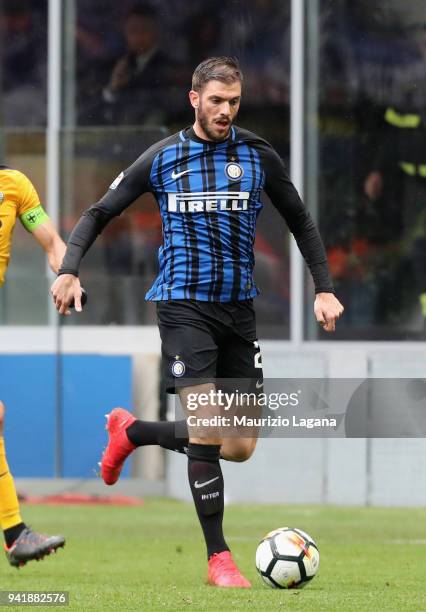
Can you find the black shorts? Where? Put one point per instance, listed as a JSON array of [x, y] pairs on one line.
[[207, 341]]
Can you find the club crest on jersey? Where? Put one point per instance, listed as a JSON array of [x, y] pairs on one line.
[[234, 171], [208, 201], [178, 368]]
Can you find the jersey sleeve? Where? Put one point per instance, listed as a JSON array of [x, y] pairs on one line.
[[27, 195], [125, 189], [31, 213], [286, 200]]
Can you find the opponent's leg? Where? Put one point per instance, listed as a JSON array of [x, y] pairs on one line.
[[21, 544], [10, 518]]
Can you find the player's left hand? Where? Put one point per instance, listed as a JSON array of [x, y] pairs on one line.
[[327, 309]]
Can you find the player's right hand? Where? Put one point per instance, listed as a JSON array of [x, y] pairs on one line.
[[66, 290]]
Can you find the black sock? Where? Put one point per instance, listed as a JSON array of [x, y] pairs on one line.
[[12, 533], [206, 482], [172, 435]]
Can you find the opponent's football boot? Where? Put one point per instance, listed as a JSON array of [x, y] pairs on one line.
[[31, 545]]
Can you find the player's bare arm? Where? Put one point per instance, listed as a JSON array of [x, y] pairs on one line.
[[49, 239]]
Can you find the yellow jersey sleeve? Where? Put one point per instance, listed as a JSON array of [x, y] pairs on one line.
[[30, 211], [27, 196], [18, 198]]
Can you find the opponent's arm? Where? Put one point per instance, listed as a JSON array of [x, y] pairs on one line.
[[49, 239], [286, 200], [36, 222]]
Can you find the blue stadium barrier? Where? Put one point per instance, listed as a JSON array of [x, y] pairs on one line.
[[87, 386]]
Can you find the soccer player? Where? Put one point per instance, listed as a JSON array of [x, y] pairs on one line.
[[18, 198], [207, 180]]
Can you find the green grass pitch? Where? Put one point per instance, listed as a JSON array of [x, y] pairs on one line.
[[152, 558]]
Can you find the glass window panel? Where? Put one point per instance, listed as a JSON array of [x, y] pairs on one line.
[[122, 263], [24, 296], [23, 70], [23, 61], [366, 162]]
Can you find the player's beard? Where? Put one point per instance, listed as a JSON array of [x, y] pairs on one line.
[[206, 127]]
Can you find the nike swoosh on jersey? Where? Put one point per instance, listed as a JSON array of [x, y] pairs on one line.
[[176, 175], [198, 485]]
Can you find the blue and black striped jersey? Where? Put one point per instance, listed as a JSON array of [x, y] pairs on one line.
[[209, 199], [208, 194]]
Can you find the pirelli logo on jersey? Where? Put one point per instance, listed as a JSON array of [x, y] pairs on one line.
[[208, 201]]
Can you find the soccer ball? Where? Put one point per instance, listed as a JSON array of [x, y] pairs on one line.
[[287, 558]]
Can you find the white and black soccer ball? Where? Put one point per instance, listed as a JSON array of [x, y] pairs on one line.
[[287, 558]]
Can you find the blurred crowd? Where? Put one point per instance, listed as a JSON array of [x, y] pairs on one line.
[[133, 62], [140, 72], [372, 165]]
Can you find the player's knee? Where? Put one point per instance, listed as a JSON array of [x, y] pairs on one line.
[[242, 451], [206, 441], [241, 455]]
